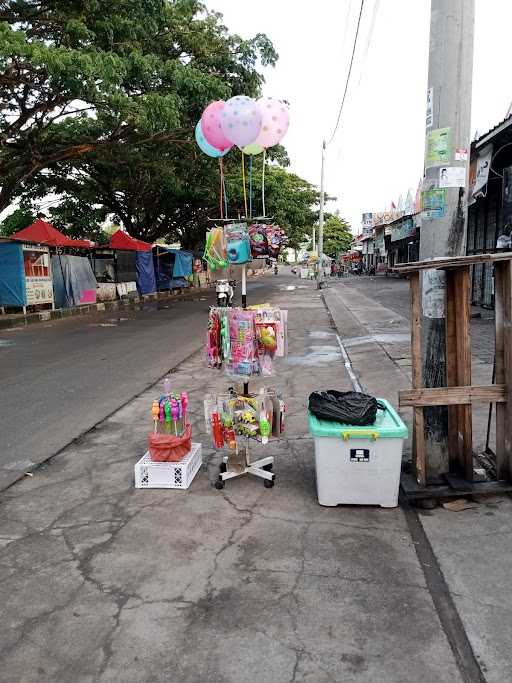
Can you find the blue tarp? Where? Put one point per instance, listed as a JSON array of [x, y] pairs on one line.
[[12, 275], [146, 282], [73, 281], [171, 267]]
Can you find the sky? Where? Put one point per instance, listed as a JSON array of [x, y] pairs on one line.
[[377, 153]]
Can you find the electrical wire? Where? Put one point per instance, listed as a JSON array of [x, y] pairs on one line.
[[349, 73]]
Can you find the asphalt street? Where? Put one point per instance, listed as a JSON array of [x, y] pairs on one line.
[[60, 379]]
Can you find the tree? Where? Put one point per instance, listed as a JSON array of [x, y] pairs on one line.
[[18, 220], [85, 76], [337, 235]]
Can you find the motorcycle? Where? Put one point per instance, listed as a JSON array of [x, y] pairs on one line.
[[225, 291]]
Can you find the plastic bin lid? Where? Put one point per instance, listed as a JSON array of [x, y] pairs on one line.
[[388, 425]]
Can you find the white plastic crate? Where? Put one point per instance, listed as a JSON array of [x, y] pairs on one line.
[[168, 475]]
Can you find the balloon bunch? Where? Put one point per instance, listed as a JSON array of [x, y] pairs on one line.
[[252, 125]]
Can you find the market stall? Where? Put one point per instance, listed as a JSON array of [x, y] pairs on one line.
[[73, 278], [172, 267], [144, 268], [25, 275]]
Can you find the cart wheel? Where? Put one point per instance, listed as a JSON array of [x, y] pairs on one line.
[[219, 484], [223, 467], [268, 483], [268, 468]]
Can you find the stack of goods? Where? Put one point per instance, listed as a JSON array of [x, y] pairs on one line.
[[231, 417], [237, 244], [246, 341], [266, 240], [171, 438]]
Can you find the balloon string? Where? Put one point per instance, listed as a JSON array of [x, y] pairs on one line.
[[221, 188], [263, 183], [250, 186], [243, 181], [225, 195]]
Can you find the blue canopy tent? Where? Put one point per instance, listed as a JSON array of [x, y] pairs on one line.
[[172, 266]]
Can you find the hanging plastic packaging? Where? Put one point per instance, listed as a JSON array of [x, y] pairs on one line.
[[215, 250], [238, 246]]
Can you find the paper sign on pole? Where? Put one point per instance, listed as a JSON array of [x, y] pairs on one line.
[[430, 108], [452, 176], [438, 147]]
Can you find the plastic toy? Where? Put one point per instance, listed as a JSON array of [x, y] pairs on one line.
[[155, 412], [175, 413]]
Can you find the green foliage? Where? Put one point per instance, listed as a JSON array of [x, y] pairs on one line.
[[17, 220], [337, 235], [78, 76]]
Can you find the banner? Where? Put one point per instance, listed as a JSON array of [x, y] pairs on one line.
[[483, 166]]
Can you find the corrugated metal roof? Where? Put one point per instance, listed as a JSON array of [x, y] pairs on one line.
[[498, 128]]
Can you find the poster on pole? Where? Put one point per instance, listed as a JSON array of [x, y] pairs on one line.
[[452, 176], [439, 147], [433, 204], [433, 294]]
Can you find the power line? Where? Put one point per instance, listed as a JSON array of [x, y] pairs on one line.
[[349, 73]]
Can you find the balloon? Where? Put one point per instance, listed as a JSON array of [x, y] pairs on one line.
[[275, 119], [205, 146], [253, 149], [241, 120], [211, 126]]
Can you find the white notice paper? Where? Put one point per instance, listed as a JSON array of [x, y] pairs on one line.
[[452, 176]]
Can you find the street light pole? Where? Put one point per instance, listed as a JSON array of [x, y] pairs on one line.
[[321, 221], [444, 200]]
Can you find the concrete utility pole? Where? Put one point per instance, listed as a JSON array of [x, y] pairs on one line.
[[320, 272], [444, 198]]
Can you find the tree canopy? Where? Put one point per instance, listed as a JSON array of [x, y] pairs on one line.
[[337, 235]]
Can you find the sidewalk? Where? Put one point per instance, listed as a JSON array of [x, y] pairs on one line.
[[102, 582], [472, 547]]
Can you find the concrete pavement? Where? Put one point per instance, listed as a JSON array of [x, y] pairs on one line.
[[472, 547], [102, 582], [61, 378]]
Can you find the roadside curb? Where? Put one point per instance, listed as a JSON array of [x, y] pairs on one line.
[[136, 303]]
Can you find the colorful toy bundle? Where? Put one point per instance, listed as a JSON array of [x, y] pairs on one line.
[[172, 434], [215, 253], [266, 240], [238, 247], [231, 417], [246, 341]]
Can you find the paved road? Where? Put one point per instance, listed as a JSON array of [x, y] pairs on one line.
[[59, 379], [393, 293]]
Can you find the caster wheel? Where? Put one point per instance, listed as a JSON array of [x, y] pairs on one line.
[[268, 468], [223, 467], [268, 484], [219, 484]]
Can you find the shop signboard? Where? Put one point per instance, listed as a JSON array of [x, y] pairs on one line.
[[38, 280], [379, 241], [403, 230], [367, 224]]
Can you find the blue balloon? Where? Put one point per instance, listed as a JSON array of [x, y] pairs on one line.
[[205, 146]]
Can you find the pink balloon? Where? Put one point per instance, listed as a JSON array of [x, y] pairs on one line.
[[211, 126], [241, 120], [275, 119]]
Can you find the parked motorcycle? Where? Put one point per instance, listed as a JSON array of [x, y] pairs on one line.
[[225, 291]]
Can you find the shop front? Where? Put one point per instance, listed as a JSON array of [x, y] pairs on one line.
[[404, 240]]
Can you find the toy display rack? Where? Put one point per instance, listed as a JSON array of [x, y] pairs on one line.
[[261, 468]]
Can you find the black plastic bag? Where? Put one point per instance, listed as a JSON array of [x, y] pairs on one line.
[[347, 407]]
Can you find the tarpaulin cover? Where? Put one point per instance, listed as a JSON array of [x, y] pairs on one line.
[[122, 240], [163, 260], [182, 263], [146, 282], [12, 275], [73, 281], [44, 233], [125, 266]]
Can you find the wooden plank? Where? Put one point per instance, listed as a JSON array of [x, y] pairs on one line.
[[452, 262], [503, 314], [418, 438], [462, 286], [413, 491], [454, 447], [453, 396]]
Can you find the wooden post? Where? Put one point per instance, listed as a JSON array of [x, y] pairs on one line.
[[503, 316], [463, 331], [455, 451], [418, 441]]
